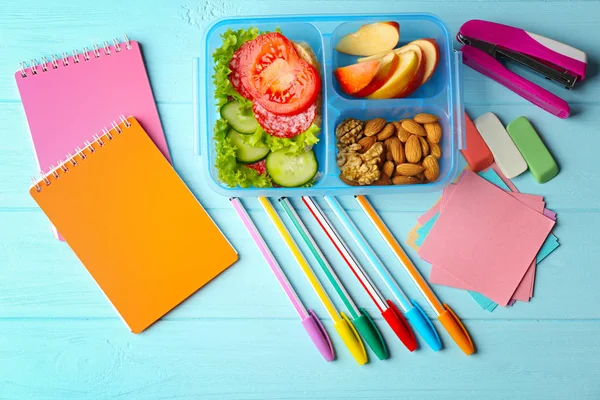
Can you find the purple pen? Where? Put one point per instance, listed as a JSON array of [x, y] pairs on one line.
[[309, 319]]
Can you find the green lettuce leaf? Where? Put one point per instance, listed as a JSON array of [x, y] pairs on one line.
[[224, 91], [293, 145], [230, 172]]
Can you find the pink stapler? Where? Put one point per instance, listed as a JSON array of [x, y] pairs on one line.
[[485, 43]]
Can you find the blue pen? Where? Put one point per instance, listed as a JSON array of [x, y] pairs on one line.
[[413, 312]]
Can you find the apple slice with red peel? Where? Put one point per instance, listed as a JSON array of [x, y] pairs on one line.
[[401, 77], [432, 56], [357, 76], [415, 81], [387, 68], [370, 39]]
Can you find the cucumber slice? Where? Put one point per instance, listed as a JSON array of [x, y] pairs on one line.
[[291, 170], [238, 121], [245, 153]]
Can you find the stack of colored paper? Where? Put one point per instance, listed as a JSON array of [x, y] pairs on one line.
[[487, 238]]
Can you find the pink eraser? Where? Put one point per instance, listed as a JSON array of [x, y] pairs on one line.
[[477, 154]]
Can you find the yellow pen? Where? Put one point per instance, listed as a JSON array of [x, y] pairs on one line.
[[341, 323]]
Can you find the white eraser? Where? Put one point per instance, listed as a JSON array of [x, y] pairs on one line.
[[507, 156]]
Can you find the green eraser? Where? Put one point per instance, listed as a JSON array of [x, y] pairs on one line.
[[536, 155]]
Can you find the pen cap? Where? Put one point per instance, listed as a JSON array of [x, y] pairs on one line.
[[421, 323], [457, 331], [318, 335], [368, 330], [351, 339], [398, 323]]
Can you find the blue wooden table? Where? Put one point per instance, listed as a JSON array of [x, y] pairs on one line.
[[238, 338]]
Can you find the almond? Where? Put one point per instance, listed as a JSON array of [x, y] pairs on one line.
[[382, 181], [374, 126], [408, 169], [432, 168], [388, 152], [386, 132], [389, 156], [424, 118], [366, 143], [412, 149], [434, 132], [420, 177], [395, 146], [435, 150], [424, 146], [348, 181], [388, 168], [404, 180], [413, 127], [402, 133]]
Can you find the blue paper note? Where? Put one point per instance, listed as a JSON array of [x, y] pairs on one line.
[[548, 247], [424, 230], [491, 176]]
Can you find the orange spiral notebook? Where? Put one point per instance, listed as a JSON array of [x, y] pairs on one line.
[[133, 223]]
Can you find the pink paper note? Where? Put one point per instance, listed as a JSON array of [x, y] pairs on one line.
[[525, 289], [439, 276], [436, 207], [429, 214], [491, 261]]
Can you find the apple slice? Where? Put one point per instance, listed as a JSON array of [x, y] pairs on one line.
[[417, 78], [401, 77], [370, 39], [387, 67], [377, 56], [432, 56], [357, 76]]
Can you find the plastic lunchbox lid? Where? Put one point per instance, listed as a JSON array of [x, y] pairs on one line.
[[441, 96]]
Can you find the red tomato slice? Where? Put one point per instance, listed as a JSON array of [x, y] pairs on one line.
[[275, 76]]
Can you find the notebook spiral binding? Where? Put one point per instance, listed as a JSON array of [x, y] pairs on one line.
[[75, 58], [71, 160]]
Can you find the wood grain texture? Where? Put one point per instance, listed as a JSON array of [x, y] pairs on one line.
[[238, 338]]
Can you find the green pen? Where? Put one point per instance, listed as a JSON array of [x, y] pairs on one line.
[[361, 320]]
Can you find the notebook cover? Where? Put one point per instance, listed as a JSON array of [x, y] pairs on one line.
[[61, 101], [134, 225]]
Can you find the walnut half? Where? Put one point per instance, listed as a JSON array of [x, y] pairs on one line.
[[349, 131], [362, 168]]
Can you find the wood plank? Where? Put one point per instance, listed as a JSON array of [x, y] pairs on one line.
[[42, 278], [571, 141], [40, 31], [220, 359]]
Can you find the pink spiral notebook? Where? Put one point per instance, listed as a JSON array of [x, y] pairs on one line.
[[68, 99]]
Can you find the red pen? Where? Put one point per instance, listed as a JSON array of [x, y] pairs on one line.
[[387, 308]]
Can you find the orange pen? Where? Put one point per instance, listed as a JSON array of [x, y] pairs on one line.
[[444, 313]]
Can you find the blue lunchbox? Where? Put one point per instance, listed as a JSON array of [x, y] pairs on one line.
[[441, 96]]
